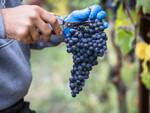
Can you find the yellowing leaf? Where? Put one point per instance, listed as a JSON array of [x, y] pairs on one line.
[[123, 19], [143, 53], [146, 80], [141, 50], [122, 22], [147, 52]]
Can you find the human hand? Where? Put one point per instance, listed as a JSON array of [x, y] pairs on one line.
[[29, 23], [91, 13]]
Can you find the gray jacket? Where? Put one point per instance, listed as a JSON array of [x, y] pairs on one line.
[[15, 72]]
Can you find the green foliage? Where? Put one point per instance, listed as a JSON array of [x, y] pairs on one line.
[[146, 79], [78, 4], [51, 69], [146, 74], [124, 36], [59, 7], [143, 53], [124, 40], [145, 4]]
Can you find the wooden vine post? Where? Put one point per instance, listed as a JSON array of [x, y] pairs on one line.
[[143, 104]]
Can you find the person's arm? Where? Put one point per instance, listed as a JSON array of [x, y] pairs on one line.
[[2, 29]]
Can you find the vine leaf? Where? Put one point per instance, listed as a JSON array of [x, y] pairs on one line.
[[124, 32], [143, 53], [140, 50], [144, 4], [124, 40], [145, 75]]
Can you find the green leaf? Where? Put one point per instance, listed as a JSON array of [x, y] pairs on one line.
[[138, 4], [124, 36], [146, 79], [145, 4], [122, 19], [124, 40]]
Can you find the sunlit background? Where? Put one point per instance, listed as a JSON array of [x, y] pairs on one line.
[[49, 92]]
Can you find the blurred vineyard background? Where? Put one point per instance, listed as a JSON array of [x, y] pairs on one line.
[[49, 92]]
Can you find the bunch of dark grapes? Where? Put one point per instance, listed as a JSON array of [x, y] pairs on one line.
[[86, 43]]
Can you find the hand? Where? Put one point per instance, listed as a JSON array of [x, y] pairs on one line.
[[28, 23], [93, 12]]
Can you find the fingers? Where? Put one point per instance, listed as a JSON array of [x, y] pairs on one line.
[[43, 28], [54, 23], [95, 9], [52, 20], [101, 15], [23, 36], [34, 33], [27, 40], [45, 38]]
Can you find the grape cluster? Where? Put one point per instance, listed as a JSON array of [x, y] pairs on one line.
[[86, 43]]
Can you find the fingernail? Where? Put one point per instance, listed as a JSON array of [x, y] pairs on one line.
[[50, 26]]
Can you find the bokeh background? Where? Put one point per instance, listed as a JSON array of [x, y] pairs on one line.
[[49, 92]]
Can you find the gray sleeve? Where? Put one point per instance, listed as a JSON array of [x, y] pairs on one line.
[[54, 41], [2, 29]]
